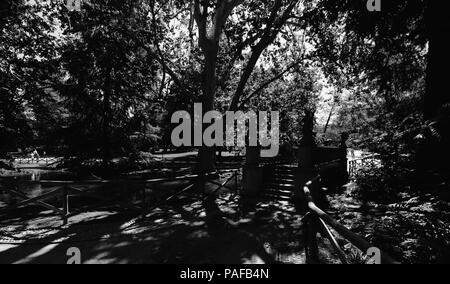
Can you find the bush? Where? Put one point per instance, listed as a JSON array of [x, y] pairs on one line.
[[378, 184]]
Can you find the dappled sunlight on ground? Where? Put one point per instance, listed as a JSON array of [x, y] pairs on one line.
[[187, 230]]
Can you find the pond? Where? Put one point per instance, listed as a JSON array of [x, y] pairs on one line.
[[30, 189], [26, 182], [38, 175]]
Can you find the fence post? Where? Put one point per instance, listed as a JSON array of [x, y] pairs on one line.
[[65, 197], [202, 179], [312, 251], [16, 188], [236, 181], [144, 197]]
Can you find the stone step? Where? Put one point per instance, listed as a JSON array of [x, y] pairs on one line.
[[280, 186], [282, 181], [276, 197], [284, 176], [284, 170], [288, 166], [275, 192]]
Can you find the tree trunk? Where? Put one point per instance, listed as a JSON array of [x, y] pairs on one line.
[[329, 118], [437, 93], [207, 155], [252, 172], [6, 7], [106, 143], [434, 155], [246, 75], [209, 42]]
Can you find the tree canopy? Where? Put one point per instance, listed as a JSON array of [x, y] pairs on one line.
[[104, 81]]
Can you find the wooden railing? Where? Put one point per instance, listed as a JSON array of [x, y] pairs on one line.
[[356, 164], [319, 221], [68, 189]]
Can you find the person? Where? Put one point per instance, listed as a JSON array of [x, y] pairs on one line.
[[35, 155]]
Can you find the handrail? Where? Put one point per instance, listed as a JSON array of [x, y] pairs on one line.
[[356, 240]]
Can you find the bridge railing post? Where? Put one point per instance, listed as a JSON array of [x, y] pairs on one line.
[[65, 199], [312, 247], [144, 200], [236, 181]]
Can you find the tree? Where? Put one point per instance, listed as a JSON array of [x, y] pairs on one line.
[[112, 87], [437, 30], [395, 39], [29, 53], [231, 35], [397, 55], [209, 36]]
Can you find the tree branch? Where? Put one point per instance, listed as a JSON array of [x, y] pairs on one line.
[[274, 26], [272, 80]]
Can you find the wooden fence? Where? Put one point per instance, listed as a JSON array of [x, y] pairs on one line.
[[68, 189], [357, 164]]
